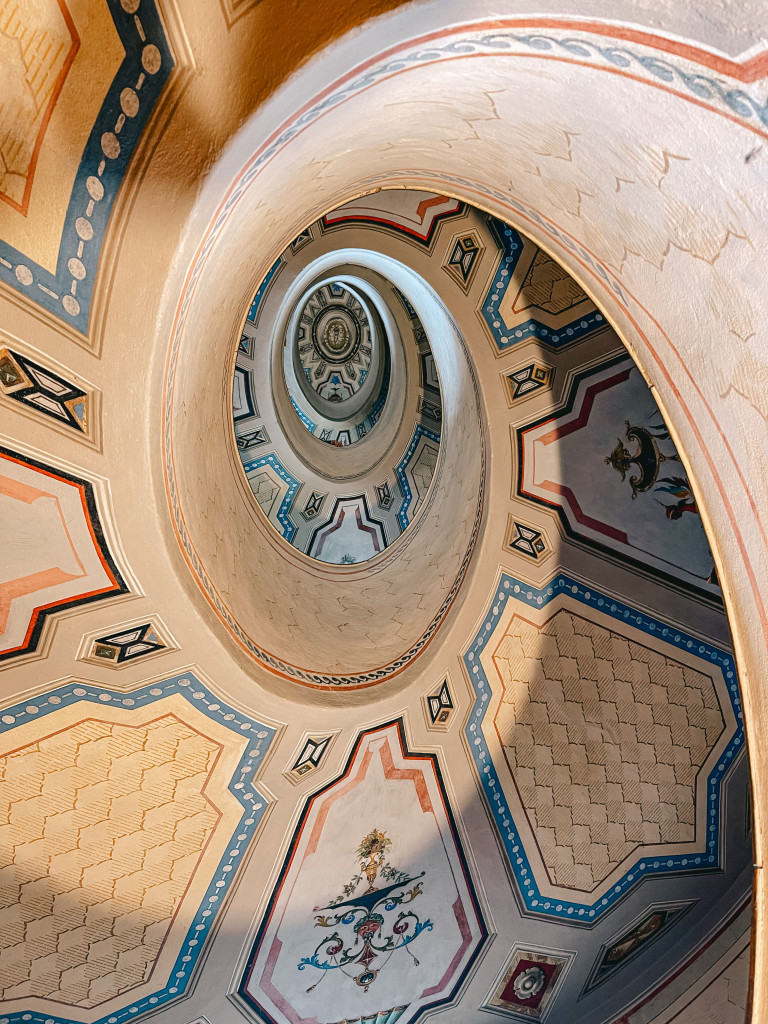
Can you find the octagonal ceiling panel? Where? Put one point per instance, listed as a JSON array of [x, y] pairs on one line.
[[601, 737], [533, 297], [55, 554], [608, 733], [607, 464], [125, 817], [374, 914]]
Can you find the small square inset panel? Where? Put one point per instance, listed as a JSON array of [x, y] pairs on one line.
[[528, 380], [463, 258], [126, 643], [43, 390], [301, 240], [309, 755], [529, 983], [430, 409], [440, 707], [526, 540], [384, 495], [252, 439], [246, 345], [313, 504], [625, 946]]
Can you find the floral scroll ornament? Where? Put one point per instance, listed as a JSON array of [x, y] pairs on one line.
[[365, 929], [648, 459], [530, 982]]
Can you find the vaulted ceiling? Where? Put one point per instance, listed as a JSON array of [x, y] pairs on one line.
[[380, 482]]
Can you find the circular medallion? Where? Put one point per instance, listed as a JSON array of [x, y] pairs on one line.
[[338, 363], [336, 335], [337, 325], [366, 978], [529, 982]]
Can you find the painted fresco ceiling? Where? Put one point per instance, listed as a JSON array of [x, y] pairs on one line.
[[545, 816], [351, 376]]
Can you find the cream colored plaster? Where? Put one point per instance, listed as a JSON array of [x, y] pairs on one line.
[[112, 824], [369, 152], [604, 739], [723, 1001], [691, 306]]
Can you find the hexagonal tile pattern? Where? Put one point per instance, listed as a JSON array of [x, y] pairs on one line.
[[604, 738], [103, 825], [123, 818]]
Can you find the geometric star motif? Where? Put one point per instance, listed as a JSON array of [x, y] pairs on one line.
[[525, 539], [311, 755], [463, 261], [528, 379], [127, 644], [39, 388], [440, 706]]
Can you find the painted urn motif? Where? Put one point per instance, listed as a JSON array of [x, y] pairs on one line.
[[369, 916]]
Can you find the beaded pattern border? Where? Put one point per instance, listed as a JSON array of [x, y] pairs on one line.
[[254, 807], [505, 337], [127, 106], [587, 913]]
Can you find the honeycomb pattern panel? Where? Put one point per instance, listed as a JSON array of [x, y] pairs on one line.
[[605, 739], [601, 737], [122, 820], [104, 825]]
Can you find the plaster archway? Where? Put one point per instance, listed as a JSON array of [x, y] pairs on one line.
[[634, 253]]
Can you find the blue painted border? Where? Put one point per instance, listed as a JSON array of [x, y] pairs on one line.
[[505, 337], [588, 913], [700, 85], [283, 518], [261, 291], [254, 807], [400, 468], [51, 290], [311, 427]]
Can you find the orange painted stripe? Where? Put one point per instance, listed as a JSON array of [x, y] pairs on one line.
[[748, 71], [25, 585]]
